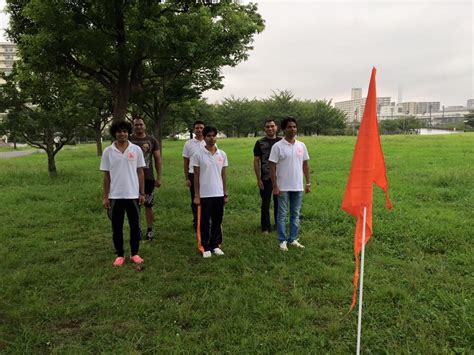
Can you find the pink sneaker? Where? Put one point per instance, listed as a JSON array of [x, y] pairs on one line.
[[119, 260], [136, 259]]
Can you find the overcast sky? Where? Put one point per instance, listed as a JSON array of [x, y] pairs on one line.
[[322, 49]]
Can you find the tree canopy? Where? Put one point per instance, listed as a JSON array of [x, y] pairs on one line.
[[167, 50]]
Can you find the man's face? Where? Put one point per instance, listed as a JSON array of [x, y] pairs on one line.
[[210, 139], [198, 129], [121, 135], [139, 126], [291, 130], [270, 129]]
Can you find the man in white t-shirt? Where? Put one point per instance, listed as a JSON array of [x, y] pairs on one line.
[[210, 192], [124, 188], [288, 163], [190, 148]]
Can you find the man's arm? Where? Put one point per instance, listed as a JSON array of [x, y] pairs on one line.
[[186, 170], [306, 176], [157, 159], [141, 185], [106, 188], [276, 190], [197, 193], [224, 184], [258, 173]]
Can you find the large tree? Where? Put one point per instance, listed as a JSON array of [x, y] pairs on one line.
[[44, 108], [130, 45]]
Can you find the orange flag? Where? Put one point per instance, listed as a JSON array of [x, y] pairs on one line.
[[367, 168]]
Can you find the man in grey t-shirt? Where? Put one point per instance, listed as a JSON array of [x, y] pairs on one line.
[[261, 152]]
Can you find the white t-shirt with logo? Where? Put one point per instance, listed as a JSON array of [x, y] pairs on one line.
[[190, 148], [210, 172], [123, 167], [289, 164]]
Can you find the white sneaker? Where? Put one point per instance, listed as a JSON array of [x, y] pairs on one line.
[[297, 244], [218, 251], [283, 246], [206, 254]]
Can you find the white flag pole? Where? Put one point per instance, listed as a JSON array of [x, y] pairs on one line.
[[361, 283]]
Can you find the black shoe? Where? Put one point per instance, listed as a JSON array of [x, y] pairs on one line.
[[149, 236]]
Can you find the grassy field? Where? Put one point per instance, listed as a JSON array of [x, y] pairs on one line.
[[11, 149], [60, 293]]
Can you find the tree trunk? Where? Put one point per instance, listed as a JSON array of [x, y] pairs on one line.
[[161, 112], [51, 164], [121, 97], [98, 140], [50, 152], [14, 143]]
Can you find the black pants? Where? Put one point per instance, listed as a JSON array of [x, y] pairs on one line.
[[266, 195], [193, 206], [117, 210], [212, 212]]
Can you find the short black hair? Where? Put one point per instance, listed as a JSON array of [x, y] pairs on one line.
[[198, 122], [269, 120], [286, 120], [119, 125], [209, 129]]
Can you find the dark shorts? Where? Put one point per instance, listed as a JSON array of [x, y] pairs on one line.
[[149, 198]]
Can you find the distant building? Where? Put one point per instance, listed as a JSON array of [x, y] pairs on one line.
[[356, 94], [7, 56], [415, 108], [470, 104], [354, 108]]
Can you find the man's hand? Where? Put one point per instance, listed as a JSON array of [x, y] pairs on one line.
[[157, 183], [188, 183], [276, 190], [141, 199], [197, 201], [106, 202], [307, 189], [226, 199], [260, 184]]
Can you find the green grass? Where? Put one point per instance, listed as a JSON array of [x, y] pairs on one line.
[[60, 293], [11, 149]]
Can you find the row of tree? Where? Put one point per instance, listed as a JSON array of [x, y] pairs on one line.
[[238, 117]]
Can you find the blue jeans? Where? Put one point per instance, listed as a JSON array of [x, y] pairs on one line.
[[294, 199]]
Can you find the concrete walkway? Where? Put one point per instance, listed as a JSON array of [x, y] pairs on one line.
[[18, 153]]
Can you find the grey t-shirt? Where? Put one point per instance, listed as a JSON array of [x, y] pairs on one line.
[[262, 150]]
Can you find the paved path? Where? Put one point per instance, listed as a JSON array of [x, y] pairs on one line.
[[17, 153]]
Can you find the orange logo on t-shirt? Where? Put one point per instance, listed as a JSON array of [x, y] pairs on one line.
[[299, 151], [220, 160], [131, 156]]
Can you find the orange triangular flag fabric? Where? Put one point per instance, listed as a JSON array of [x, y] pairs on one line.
[[367, 168]]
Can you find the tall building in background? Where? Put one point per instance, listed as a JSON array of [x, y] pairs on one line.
[[470, 104], [354, 108], [418, 108], [7, 56], [356, 94]]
